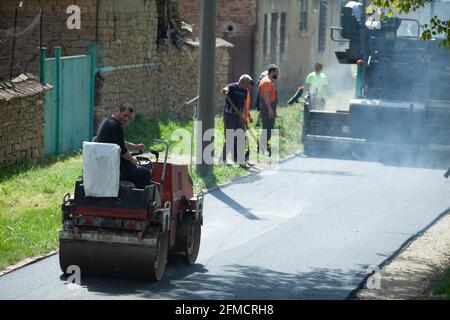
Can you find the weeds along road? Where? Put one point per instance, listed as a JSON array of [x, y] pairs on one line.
[[309, 230]]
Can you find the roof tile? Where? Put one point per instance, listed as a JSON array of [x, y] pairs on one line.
[[24, 85]]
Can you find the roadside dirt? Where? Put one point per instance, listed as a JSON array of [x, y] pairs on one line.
[[416, 269]]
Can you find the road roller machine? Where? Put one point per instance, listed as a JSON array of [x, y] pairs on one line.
[[133, 234]]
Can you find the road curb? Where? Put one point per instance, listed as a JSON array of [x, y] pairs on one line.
[[354, 294], [26, 262]]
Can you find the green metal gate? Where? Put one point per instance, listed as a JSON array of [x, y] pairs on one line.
[[69, 106]]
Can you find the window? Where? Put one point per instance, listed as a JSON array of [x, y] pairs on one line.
[[322, 26], [282, 34], [303, 15], [266, 27], [274, 36]]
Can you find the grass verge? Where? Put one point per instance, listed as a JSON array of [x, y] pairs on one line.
[[442, 289], [30, 195]]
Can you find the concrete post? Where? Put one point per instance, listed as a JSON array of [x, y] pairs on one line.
[[58, 95], [207, 77]]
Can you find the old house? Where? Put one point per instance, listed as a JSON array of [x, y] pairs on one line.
[[291, 33], [294, 35], [142, 55], [22, 119]]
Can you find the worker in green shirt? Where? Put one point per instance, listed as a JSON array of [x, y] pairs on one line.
[[317, 85]]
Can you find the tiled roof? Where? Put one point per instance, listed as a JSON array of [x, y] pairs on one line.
[[23, 86]]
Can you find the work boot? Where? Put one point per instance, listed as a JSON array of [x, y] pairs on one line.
[[245, 166]]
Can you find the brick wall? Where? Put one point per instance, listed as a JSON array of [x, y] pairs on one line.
[[22, 129], [149, 77], [241, 15]]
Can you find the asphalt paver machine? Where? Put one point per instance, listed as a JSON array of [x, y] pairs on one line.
[[401, 112]]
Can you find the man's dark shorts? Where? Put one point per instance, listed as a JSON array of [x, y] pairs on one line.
[[268, 124], [232, 122]]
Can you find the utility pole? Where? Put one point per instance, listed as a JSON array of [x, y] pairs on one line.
[[205, 112], [13, 51]]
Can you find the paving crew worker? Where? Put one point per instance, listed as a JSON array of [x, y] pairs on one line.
[[268, 101], [248, 119], [263, 74], [317, 84], [111, 131], [237, 93]]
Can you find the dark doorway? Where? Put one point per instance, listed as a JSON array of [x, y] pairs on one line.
[[242, 55]]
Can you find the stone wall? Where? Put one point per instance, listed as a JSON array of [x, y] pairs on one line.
[[55, 32], [155, 79], [22, 129], [159, 79], [167, 85]]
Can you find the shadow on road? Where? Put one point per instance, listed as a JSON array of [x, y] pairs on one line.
[[233, 204], [235, 282]]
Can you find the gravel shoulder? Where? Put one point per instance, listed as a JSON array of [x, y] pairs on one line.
[[415, 270]]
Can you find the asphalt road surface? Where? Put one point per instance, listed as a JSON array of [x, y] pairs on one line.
[[308, 230]]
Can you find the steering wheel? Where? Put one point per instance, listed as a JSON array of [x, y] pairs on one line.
[[145, 161]]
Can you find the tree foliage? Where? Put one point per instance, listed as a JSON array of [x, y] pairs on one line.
[[436, 27]]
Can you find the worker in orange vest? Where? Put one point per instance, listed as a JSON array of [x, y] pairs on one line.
[[248, 119]]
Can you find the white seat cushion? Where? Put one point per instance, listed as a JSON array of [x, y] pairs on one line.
[[101, 169]]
